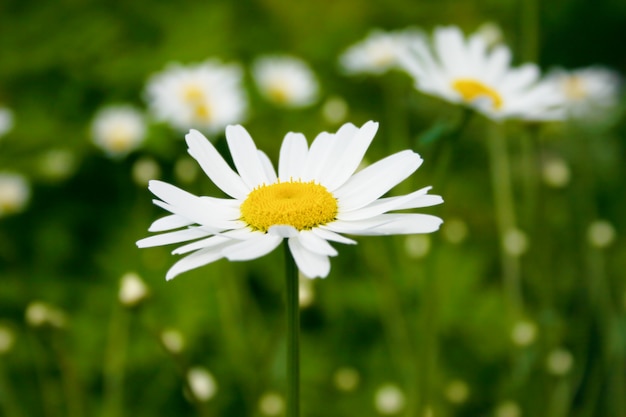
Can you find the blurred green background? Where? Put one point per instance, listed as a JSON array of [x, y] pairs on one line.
[[426, 320]]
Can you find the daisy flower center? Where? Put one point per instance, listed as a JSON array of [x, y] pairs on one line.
[[574, 88], [202, 111], [471, 90], [303, 205], [192, 93], [278, 92]]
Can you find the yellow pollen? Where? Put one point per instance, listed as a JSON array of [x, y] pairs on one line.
[[303, 205], [471, 89]]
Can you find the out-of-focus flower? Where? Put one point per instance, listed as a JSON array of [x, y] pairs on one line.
[[201, 383], [454, 230], [186, 169], [508, 409], [346, 378], [515, 242], [132, 290], [306, 292], [335, 110], [6, 121], [118, 130], [57, 164], [389, 399], [145, 169], [457, 391], [417, 246], [600, 233], [285, 80], [40, 314], [7, 339], [206, 96], [467, 72], [377, 53], [14, 193], [314, 198], [587, 92], [491, 32], [559, 361], [271, 404], [555, 172], [524, 333], [172, 340]]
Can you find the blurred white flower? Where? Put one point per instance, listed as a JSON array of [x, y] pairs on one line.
[[377, 53], [306, 292], [39, 314], [515, 242], [600, 233], [454, 230], [559, 361], [524, 333], [389, 399], [271, 404], [335, 110], [57, 164], [144, 170], [468, 72], [346, 378], [6, 120], [14, 193], [186, 169], [172, 340], [201, 383], [7, 339], [118, 130], [132, 289], [508, 409], [417, 246], [587, 92], [206, 96], [457, 391], [555, 172], [285, 80]]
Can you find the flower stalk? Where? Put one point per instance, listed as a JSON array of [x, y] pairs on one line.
[[293, 335]]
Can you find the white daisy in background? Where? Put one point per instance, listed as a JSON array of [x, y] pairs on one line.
[[377, 53], [206, 96], [468, 72], [118, 130], [6, 120], [587, 92], [285, 80], [314, 198], [14, 193]]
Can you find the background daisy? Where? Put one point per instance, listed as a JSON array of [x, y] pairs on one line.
[[285, 80], [118, 130]]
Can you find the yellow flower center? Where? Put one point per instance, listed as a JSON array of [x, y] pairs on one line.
[[470, 90], [202, 112], [192, 93], [278, 93], [574, 88], [303, 205]]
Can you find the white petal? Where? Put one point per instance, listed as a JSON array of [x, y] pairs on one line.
[[310, 264], [253, 248], [196, 260], [372, 182], [293, 153], [171, 237], [328, 235], [270, 173], [416, 199], [283, 231], [389, 224], [316, 158], [350, 157], [245, 156], [209, 242], [214, 166], [316, 244], [173, 221]]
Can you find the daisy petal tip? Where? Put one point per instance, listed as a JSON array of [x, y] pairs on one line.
[[284, 231]]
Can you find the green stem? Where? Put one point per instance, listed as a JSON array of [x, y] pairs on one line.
[[293, 335]]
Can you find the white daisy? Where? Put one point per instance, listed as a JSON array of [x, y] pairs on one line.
[[206, 96], [14, 193], [6, 120], [587, 92], [314, 198], [118, 130], [468, 72], [377, 53], [285, 80]]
